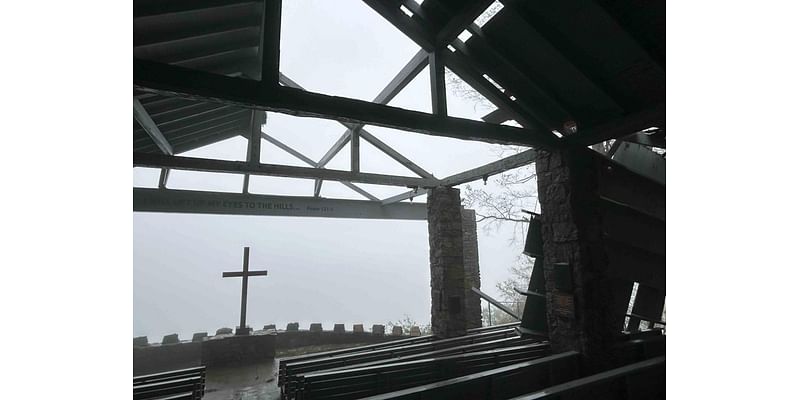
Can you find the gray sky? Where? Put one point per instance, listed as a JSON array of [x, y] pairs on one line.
[[320, 269]]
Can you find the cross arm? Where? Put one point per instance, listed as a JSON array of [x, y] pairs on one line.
[[240, 274]]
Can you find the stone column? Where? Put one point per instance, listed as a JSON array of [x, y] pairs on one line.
[[578, 288], [447, 262], [472, 271]]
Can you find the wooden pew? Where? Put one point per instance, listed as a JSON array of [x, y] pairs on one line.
[[641, 380], [493, 328], [296, 367], [467, 348], [359, 382], [186, 383], [282, 362], [499, 383], [641, 346], [293, 382], [361, 349]]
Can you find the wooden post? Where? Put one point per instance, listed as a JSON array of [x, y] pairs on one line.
[[438, 88]]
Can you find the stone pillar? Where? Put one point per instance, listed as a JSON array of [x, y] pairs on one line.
[[577, 285], [472, 271], [445, 236]]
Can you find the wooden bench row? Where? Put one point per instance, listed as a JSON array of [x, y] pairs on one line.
[[395, 343], [289, 368], [553, 377], [186, 383], [359, 382], [351, 350], [292, 382], [641, 380], [493, 328], [499, 383], [467, 348]]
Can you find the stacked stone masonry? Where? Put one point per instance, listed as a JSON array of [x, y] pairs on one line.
[[446, 240], [472, 273], [227, 348], [581, 318]]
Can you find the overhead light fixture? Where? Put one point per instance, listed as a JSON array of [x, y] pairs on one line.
[[571, 127]]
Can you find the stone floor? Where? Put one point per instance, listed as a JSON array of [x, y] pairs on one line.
[[257, 381], [249, 382]]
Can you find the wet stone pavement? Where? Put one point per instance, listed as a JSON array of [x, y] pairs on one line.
[[257, 381]]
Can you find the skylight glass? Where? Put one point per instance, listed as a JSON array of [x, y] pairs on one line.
[[487, 14]]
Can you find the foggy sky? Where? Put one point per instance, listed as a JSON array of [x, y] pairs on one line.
[[320, 269]]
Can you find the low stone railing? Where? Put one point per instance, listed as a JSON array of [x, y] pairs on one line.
[[377, 329], [172, 353]]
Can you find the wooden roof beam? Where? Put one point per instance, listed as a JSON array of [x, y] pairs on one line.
[[561, 47], [411, 27], [151, 160], [462, 66], [146, 8], [313, 163], [655, 116], [553, 114], [270, 48], [460, 20], [493, 168], [170, 80]]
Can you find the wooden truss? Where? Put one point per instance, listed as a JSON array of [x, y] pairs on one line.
[[542, 123]]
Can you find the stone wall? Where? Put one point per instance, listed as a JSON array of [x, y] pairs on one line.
[[203, 350], [446, 241], [157, 358], [472, 271], [238, 349], [291, 340]]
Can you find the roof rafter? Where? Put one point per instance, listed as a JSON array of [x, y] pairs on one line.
[[554, 116], [460, 20], [546, 33], [141, 116], [312, 163], [176, 81], [632, 26], [241, 167], [146, 8], [493, 168], [438, 88], [269, 48], [461, 66], [389, 151], [652, 117], [406, 74], [411, 27]]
